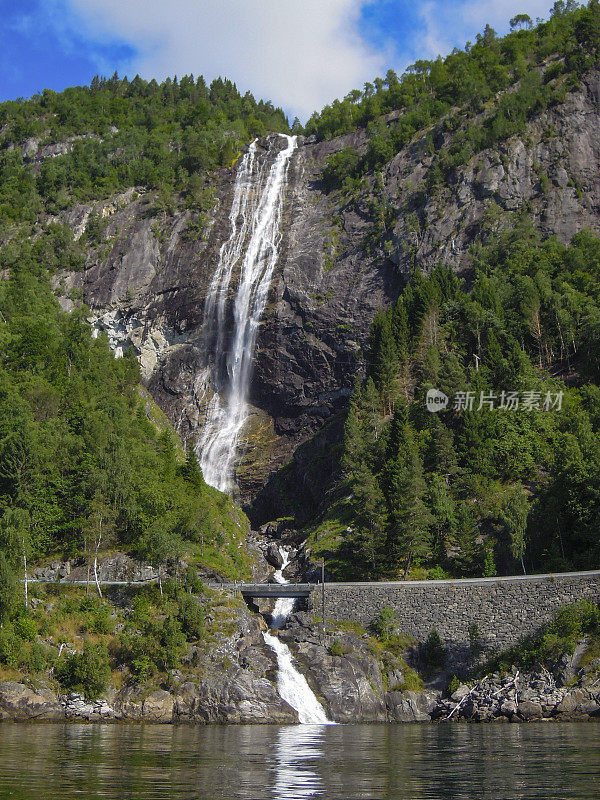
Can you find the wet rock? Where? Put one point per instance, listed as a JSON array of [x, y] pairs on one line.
[[274, 556], [528, 709]]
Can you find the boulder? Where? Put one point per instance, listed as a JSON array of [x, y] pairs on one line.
[[508, 708], [529, 709], [158, 707], [274, 556], [567, 705], [411, 706], [240, 698], [20, 702], [462, 691]]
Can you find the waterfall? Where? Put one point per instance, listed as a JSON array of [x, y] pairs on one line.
[[252, 251], [292, 685]]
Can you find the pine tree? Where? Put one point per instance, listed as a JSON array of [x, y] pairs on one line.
[[354, 444], [385, 364], [444, 515], [513, 517], [370, 515]]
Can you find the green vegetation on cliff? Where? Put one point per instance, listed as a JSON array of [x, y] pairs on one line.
[[504, 81], [476, 489], [118, 133], [136, 636], [82, 467]]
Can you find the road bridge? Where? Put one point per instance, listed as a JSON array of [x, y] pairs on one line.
[[269, 590]]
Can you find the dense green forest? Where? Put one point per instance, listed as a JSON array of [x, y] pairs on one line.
[[479, 487], [467, 101], [124, 133], [86, 462]]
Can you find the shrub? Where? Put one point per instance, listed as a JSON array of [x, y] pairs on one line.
[[412, 681], [577, 619], [336, 648], [87, 672], [191, 617], [11, 647], [192, 582], [100, 621], [437, 574], [339, 166], [172, 643], [385, 624], [453, 685], [143, 668], [98, 614], [36, 660], [9, 590], [434, 652], [25, 628]]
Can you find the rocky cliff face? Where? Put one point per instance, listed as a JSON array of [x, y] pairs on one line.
[[146, 282]]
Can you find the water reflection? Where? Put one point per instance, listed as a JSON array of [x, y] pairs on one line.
[[337, 762], [298, 749]]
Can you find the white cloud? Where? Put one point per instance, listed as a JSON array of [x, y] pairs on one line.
[[300, 54]]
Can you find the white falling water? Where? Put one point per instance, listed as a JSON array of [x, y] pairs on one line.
[[292, 685], [251, 251]]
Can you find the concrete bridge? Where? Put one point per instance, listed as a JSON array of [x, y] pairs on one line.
[[269, 590]]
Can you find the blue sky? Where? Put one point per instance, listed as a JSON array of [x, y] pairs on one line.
[[298, 54]]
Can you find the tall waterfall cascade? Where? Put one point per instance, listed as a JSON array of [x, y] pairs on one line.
[[291, 684], [250, 252]]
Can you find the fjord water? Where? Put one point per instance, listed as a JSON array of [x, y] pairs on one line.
[[249, 256], [337, 762]]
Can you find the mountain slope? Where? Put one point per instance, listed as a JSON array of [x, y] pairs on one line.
[[465, 149]]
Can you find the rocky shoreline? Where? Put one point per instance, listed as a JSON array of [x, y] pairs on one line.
[[491, 700], [353, 679]]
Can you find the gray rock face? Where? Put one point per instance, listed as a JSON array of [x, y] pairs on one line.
[[240, 698], [552, 169], [20, 702], [147, 285], [115, 567]]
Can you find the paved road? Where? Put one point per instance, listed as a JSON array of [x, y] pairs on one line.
[[303, 589]]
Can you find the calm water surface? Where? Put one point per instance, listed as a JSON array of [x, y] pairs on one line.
[[341, 762]]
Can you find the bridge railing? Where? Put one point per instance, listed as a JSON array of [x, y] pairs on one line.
[[267, 588]]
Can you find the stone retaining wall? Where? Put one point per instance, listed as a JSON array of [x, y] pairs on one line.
[[504, 609]]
